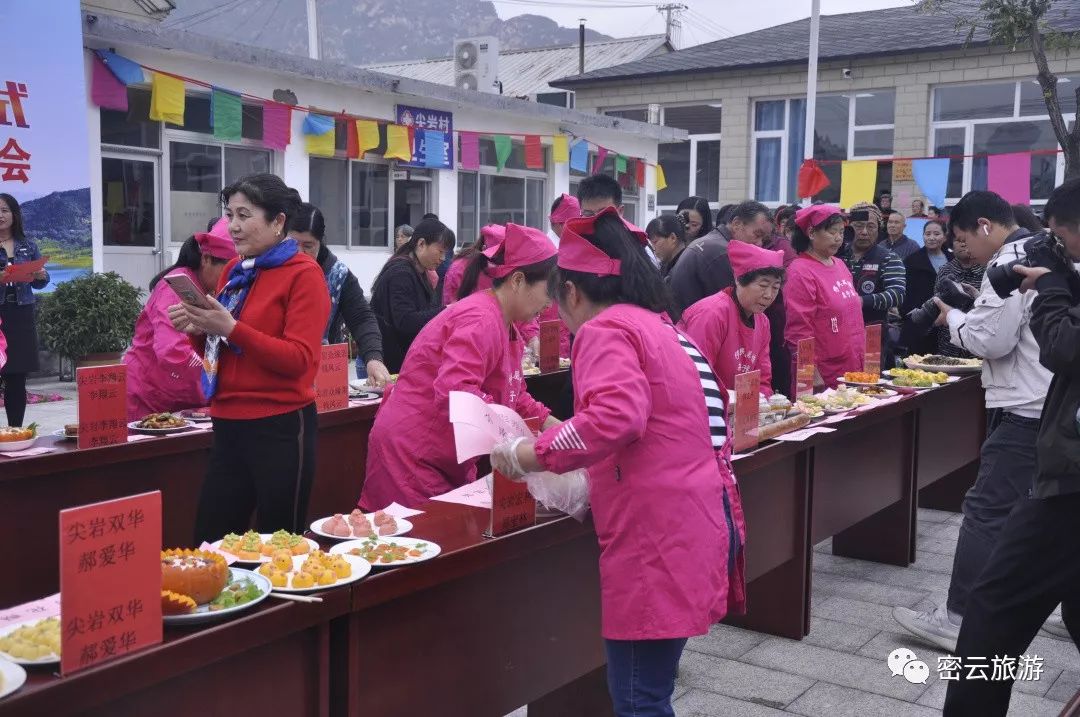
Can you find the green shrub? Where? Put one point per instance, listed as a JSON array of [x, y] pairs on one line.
[[90, 314]]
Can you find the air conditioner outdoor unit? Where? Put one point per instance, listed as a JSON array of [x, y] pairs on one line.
[[476, 63]]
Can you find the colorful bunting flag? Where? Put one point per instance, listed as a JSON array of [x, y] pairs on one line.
[[932, 176], [579, 156], [620, 164], [317, 124], [434, 143], [126, 71], [560, 149], [812, 179], [367, 135], [639, 172], [352, 144], [398, 143], [1010, 176], [661, 180], [167, 99], [226, 114], [503, 147], [534, 152], [470, 150], [857, 181], [321, 145], [277, 125], [106, 90], [601, 156]]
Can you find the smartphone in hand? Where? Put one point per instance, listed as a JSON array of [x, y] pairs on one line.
[[186, 289]]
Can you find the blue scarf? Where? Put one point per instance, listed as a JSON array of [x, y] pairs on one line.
[[335, 280], [232, 297]]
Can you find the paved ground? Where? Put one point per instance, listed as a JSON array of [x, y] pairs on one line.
[[839, 668], [50, 416]]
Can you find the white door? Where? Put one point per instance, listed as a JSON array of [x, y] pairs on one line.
[[131, 186]]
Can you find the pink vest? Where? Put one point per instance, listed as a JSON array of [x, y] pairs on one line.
[[716, 327]]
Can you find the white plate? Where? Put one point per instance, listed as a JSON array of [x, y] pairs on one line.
[[364, 395], [8, 629], [890, 384], [430, 550], [888, 393], [360, 568], [13, 677], [6, 446], [203, 614], [216, 545], [859, 383], [951, 370], [189, 415], [361, 386], [134, 426], [59, 433], [404, 526]]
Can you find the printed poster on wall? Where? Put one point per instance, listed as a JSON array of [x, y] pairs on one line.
[[422, 119], [44, 151]]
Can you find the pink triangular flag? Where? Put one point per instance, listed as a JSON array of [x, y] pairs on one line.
[[470, 150], [601, 155], [277, 125], [1009, 175], [105, 90]]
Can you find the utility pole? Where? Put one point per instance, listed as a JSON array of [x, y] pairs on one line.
[[312, 30], [811, 82], [672, 21]]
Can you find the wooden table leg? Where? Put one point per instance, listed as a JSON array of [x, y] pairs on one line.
[[948, 493], [586, 696]]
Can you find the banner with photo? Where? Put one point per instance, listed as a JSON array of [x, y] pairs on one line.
[[44, 150]]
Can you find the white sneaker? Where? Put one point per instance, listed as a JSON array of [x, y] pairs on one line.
[[1055, 627], [934, 626]]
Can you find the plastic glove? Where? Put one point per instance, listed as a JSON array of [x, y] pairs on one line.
[[504, 458]]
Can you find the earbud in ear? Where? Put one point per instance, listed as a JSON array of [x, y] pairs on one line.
[[986, 230]]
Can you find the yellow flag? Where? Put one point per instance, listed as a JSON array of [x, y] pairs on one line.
[[397, 143], [857, 181], [560, 149], [661, 180], [367, 135], [320, 144], [166, 99]]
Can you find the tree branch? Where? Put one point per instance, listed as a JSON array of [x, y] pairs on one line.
[[1048, 81]]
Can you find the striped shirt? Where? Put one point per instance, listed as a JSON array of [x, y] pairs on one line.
[[881, 280], [953, 271], [714, 394]]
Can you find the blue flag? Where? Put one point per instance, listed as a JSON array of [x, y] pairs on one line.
[[434, 147], [579, 156], [932, 176], [124, 69], [318, 124]]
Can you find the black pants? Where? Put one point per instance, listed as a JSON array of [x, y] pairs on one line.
[[14, 397], [266, 465], [1034, 566]]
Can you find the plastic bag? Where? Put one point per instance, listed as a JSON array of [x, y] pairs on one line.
[[566, 492]]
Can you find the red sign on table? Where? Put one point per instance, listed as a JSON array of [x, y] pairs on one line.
[[549, 346], [804, 368], [512, 506], [102, 405], [332, 381], [110, 580], [872, 359], [747, 410]]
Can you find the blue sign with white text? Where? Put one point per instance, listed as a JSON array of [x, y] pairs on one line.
[[433, 138]]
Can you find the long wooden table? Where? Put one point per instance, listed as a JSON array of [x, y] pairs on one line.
[[490, 624]]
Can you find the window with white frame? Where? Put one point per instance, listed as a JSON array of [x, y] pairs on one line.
[[998, 118], [691, 168], [849, 126], [627, 182], [516, 194]]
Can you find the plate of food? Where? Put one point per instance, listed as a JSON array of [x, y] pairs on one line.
[[360, 525], [69, 432], [12, 677], [842, 400], [936, 363], [160, 424], [388, 553], [876, 391], [363, 395], [252, 547], [31, 642], [915, 378], [17, 438], [315, 571], [860, 378], [198, 587], [196, 415]]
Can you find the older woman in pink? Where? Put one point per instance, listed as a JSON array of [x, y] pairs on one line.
[[471, 346], [164, 373], [649, 425]]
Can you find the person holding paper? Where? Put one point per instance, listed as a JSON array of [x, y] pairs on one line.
[[649, 426], [164, 371], [17, 307], [471, 346], [820, 297], [730, 327], [349, 309], [260, 340]]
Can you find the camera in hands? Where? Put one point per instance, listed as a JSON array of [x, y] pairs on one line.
[[952, 294], [1044, 249]]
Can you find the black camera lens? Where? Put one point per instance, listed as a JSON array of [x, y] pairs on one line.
[[1004, 280], [923, 318]]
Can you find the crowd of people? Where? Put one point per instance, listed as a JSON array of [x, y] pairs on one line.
[[658, 322]]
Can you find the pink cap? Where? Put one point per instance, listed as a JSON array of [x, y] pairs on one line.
[[814, 216], [579, 254], [568, 209], [521, 247], [494, 235], [746, 258], [217, 242]]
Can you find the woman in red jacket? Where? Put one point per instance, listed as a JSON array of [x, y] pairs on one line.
[[260, 341]]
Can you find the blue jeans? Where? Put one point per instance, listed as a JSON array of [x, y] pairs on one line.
[[641, 675]]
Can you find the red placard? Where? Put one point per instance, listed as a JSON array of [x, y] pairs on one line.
[[512, 506], [110, 580], [747, 410], [102, 405], [549, 346], [332, 381], [872, 359], [804, 368], [22, 273]]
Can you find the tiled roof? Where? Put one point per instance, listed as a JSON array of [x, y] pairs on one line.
[[851, 35]]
